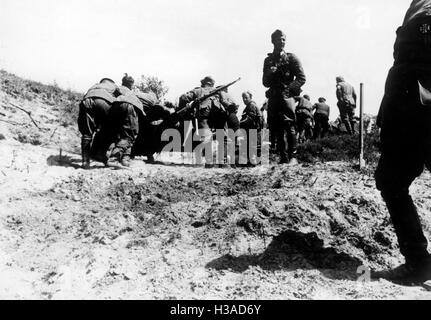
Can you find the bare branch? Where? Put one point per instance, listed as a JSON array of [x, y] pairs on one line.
[[27, 112]]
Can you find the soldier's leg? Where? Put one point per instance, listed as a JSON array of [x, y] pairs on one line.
[[393, 179], [344, 117], [127, 132], [309, 131], [325, 126], [291, 139], [317, 126], [282, 142], [101, 118], [131, 131], [301, 128], [271, 126], [351, 115], [405, 136], [101, 112], [87, 127]]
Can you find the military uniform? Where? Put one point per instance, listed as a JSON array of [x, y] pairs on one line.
[[304, 118], [252, 119], [232, 120], [148, 140], [123, 124], [321, 119], [93, 114], [346, 97], [202, 114], [283, 84], [405, 118]]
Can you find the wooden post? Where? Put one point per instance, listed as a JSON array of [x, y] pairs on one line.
[[361, 127]]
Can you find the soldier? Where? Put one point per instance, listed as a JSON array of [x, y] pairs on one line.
[[404, 119], [251, 120], [227, 119], [346, 97], [232, 120], [304, 118], [202, 113], [93, 114], [321, 118], [148, 139], [284, 76], [123, 122]]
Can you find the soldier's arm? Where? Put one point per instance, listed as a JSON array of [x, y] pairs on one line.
[[268, 74], [298, 72], [254, 112], [186, 98], [338, 92]]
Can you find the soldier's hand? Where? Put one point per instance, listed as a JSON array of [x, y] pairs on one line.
[[273, 69]]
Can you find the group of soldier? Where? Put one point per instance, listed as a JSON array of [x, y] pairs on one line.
[[119, 122], [112, 118]]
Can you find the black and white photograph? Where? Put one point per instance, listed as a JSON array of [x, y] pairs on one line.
[[232, 150]]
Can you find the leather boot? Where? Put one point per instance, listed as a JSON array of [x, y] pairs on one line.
[[85, 152], [352, 125], [412, 242], [348, 127]]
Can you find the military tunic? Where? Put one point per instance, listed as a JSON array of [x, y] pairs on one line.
[[321, 119], [346, 97], [123, 125], [283, 84]]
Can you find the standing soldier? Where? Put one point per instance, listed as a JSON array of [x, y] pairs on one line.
[[304, 118], [224, 117], [321, 118], [93, 114], [284, 76], [404, 119], [123, 122], [346, 97], [202, 113], [251, 120]]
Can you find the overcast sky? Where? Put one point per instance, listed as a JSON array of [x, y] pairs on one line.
[[75, 43]]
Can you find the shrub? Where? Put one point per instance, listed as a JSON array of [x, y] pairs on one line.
[[341, 147]]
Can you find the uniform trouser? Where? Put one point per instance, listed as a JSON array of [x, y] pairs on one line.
[[305, 125], [205, 146], [406, 149], [321, 125], [254, 146], [123, 128], [93, 115], [347, 115], [281, 114]]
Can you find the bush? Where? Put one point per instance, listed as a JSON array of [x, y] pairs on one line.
[[341, 147]]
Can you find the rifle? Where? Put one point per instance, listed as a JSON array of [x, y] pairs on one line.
[[195, 104]]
